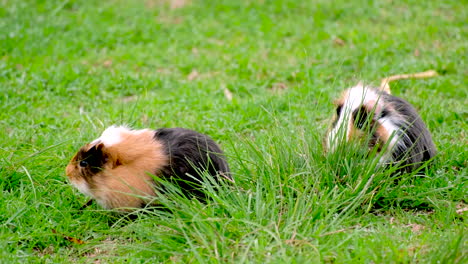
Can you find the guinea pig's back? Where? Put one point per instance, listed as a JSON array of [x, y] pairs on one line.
[[418, 138], [190, 152]]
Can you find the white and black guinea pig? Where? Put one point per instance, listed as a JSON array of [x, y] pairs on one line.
[[117, 169], [389, 123]]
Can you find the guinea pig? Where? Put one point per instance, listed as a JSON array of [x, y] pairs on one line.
[[117, 169], [389, 124]]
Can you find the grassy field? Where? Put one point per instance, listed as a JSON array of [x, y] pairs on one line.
[[68, 69]]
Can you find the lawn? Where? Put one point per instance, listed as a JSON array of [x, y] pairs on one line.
[[259, 77]]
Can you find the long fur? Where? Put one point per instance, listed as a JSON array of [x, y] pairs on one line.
[[117, 168], [189, 152], [389, 123]]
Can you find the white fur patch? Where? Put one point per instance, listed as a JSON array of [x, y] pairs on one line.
[[82, 186], [112, 135], [393, 136], [391, 130], [359, 95]]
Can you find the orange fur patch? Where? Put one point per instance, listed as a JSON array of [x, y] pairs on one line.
[[125, 180], [134, 159], [383, 133]]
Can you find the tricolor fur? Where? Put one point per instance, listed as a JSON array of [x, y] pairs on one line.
[[117, 169], [389, 123]]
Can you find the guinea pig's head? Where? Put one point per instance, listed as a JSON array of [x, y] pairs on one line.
[[90, 161], [356, 116]]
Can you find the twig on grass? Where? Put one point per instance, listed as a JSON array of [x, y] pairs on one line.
[[69, 238], [385, 83]]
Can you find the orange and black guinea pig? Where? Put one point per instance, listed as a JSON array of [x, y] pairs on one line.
[[389, 123], [117, 169]]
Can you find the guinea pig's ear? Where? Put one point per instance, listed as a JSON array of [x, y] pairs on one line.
[[98, 147], [96, 150], [107, 156], [96, 156]]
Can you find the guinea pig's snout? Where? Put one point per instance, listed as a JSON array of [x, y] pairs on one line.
[[82, 186], [73, 175], [69, 170]]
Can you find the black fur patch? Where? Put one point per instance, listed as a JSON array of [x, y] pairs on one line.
[[361, 117], [190, 153], [384, 113], [416, 142], [339, 108]]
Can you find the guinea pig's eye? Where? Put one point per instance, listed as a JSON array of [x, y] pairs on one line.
[[83, 163], [338, 110]]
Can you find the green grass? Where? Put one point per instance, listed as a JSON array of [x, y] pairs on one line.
[[68, 69]]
